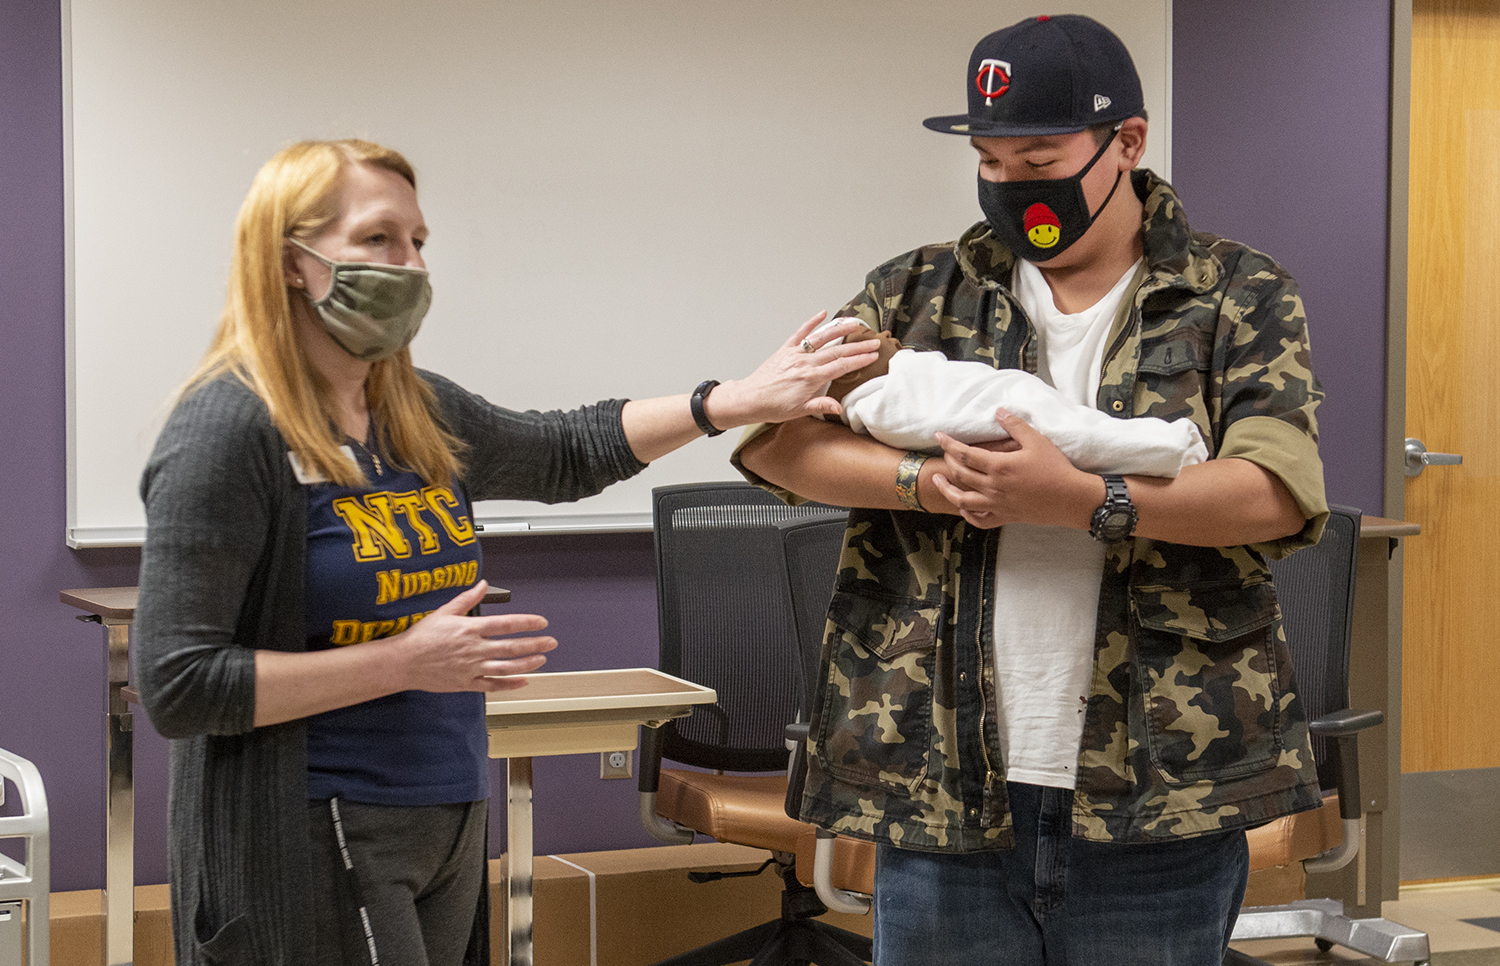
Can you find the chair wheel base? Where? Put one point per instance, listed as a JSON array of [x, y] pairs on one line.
[[1324, 921]]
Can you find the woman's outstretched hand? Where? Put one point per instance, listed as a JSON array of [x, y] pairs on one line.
[[450, 651], [792, 381]]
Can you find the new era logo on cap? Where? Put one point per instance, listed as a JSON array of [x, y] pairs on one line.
[[1101, 102]]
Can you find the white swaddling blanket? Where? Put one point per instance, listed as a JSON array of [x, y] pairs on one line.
[[925, 393]]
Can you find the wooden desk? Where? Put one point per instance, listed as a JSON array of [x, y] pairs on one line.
[[568, 713], [114, 607]]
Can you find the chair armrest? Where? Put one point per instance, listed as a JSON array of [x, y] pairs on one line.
[[649, 783], [833, 897], [1340, 724], [1342, 727], [795, 735], [796, 771]]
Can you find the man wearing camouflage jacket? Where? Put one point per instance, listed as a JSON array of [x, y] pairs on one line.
[[1188, 730]]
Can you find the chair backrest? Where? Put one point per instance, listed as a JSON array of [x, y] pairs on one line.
[[726, 621], [1315, 588], [812, 548]]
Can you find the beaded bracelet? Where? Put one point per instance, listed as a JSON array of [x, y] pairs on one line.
[[906, 480]]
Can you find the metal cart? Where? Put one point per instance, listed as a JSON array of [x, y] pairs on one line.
[[24, 884]]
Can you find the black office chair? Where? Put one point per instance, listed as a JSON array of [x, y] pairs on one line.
[[1315, 588], [726, 623], [841, 870], [811, 549]]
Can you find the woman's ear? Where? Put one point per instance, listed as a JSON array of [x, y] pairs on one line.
[[289, 269]]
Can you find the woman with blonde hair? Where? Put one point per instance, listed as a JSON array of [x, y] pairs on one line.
[[304, 631]]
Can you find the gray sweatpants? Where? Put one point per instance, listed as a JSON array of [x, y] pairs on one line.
[[400, 887]]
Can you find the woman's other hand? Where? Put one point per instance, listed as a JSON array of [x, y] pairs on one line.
[[793, 380], [450, 651], [445, 651]]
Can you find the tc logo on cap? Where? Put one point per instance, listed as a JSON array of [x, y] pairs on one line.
[[993, 79]]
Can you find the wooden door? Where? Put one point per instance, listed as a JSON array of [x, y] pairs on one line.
[[1451, 664]]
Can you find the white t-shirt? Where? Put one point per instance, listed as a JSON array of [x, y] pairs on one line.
[[1047, 578]]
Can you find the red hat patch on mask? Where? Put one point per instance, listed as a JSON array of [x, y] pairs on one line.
[[993, 79], [1041, 226]]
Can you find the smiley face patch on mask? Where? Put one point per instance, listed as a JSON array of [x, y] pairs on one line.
[[1041, 226]]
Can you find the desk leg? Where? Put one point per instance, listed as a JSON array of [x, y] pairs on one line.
[[518, 848], [118, 936]]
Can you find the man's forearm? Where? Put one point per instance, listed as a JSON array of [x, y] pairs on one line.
[[1221, 503], [826, 461]]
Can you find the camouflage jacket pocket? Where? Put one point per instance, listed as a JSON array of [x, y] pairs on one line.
[[1207, 656], [875, 720], [1184, 350], [1172, 378]]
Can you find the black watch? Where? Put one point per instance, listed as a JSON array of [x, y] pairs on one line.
[[1116, 518], [695, 403]]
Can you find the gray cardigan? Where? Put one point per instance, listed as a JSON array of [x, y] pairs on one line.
[[222, 575]]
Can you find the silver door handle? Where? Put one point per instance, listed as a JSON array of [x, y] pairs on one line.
[[1418, 459]]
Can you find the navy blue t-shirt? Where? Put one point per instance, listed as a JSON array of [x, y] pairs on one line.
[[379, 558]]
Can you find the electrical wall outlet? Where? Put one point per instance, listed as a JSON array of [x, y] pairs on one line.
[[615, 764]]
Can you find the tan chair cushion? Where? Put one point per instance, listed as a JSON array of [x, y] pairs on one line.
[[1284, 842], [853, 863], [743, 809], [1277, 886], [1293, 838]]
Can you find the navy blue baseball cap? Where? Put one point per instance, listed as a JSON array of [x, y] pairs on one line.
[[1047, 75]]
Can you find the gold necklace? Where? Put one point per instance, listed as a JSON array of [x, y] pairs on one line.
[[374, 456]]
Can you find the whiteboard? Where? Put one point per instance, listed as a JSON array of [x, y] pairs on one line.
[[625, 198]]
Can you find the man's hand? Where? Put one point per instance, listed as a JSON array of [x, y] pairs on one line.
[[1023, 479]]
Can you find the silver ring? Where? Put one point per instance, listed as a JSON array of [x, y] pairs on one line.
[[807, 346]]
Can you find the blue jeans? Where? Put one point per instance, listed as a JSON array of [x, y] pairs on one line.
[[1060, 901]]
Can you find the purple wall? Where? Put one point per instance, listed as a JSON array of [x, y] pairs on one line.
[[1281, 127], [1280, 142], [52, 665]]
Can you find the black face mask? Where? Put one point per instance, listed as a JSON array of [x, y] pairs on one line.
[[1039, 220]]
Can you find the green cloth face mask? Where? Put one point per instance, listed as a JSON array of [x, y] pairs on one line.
[[373, 311]]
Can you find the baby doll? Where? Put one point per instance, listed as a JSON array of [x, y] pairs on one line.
[[906, 396]]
